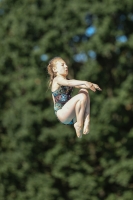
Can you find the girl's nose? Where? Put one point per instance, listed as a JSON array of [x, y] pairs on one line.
[[66, 67]]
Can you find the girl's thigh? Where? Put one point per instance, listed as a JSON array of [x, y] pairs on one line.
[[67, 113]]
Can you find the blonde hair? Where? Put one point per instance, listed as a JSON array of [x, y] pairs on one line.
[[50, 67]]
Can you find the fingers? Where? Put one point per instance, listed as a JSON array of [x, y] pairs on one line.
[[93, 87], [97, 87]]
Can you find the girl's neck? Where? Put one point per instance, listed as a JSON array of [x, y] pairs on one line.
[[59, 75]]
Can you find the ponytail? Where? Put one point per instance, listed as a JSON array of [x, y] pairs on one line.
[[51, 73], [50, 69]]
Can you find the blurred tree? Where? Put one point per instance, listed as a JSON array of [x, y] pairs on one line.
[[41, 158]]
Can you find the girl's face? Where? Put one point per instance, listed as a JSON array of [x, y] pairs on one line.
[[61, 68]]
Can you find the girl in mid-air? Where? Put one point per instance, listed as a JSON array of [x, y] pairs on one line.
[[70, 110]]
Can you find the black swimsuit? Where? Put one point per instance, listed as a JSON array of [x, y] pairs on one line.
[[61, 96]]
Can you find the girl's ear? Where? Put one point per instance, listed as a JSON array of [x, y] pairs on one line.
[[54, 69]]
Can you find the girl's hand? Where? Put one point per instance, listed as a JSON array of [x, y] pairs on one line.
[[92, 86], [97, 87]]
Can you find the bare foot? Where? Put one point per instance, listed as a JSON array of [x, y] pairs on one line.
[[86, 125], [86, 129], [79, 130]]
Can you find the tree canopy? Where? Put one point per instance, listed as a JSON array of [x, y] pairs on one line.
[[40, 157]]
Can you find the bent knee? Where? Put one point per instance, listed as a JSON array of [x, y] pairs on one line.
[[82, 96], [83, 91]]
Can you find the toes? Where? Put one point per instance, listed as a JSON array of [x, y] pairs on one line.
[[79, 136], [78, 130], [86, 131]]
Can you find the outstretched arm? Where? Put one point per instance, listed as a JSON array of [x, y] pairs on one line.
[[85, 87], [77, 83]]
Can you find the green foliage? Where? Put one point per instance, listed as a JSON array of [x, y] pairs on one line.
[[40, 157]]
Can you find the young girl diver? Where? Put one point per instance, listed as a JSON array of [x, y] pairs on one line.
[[70, 110]]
